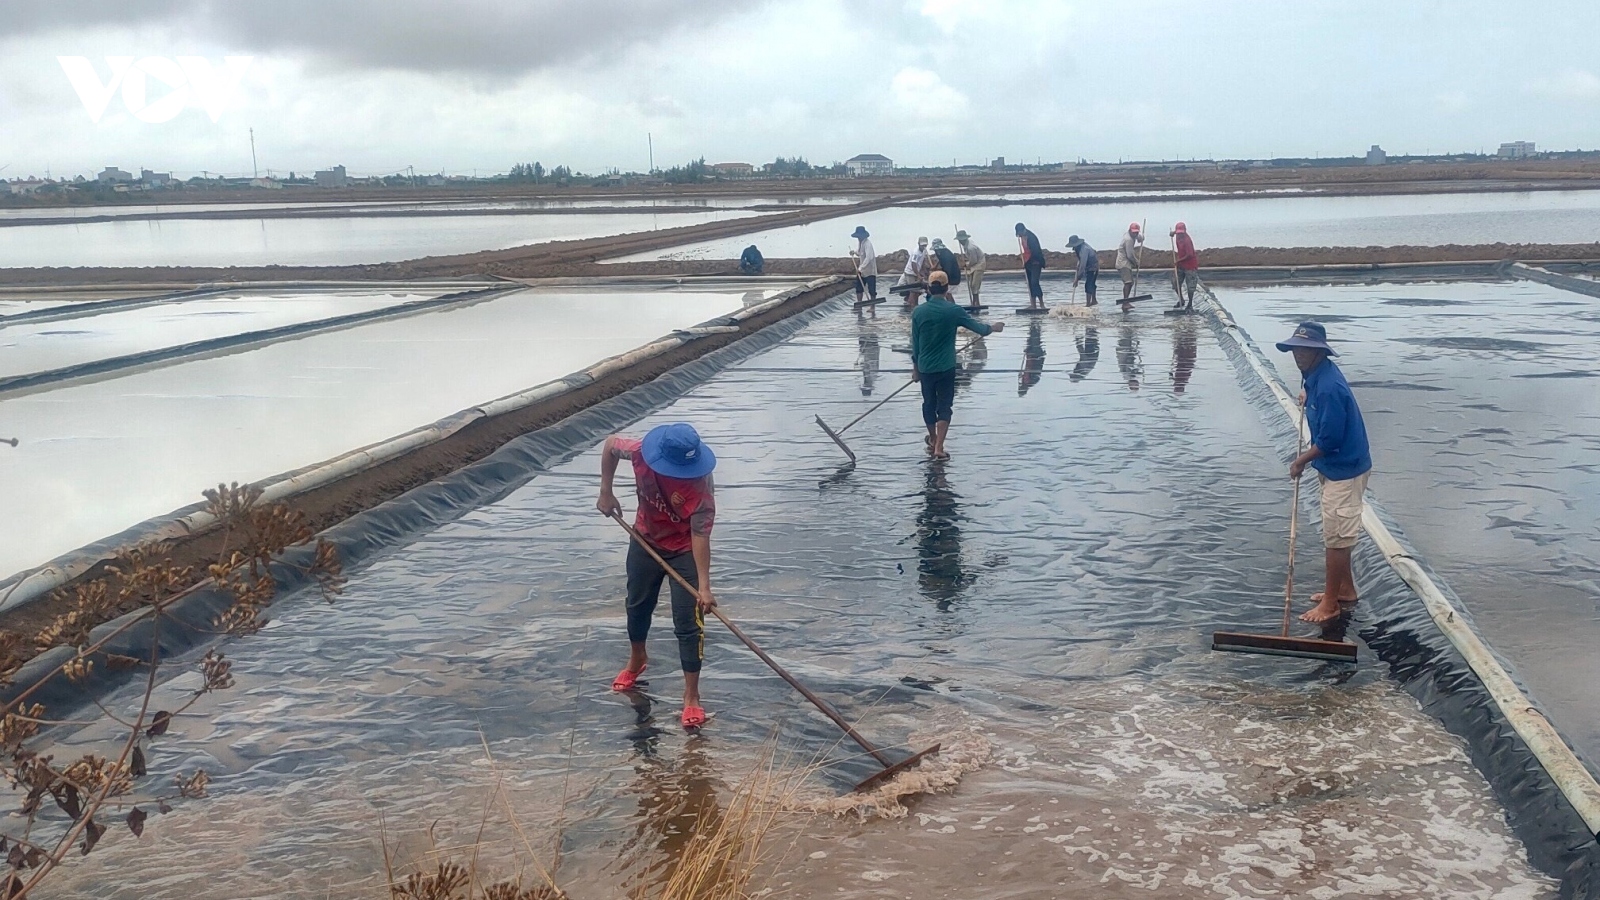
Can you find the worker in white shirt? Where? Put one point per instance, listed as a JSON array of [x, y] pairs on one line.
[[976, 266]]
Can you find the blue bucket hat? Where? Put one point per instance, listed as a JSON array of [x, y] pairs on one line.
[[676, 451], [860, 232], [1309, 334]]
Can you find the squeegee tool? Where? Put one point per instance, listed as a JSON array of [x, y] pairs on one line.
[[1282, 644]]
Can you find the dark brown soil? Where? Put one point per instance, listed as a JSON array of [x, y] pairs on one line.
[[333, 503]]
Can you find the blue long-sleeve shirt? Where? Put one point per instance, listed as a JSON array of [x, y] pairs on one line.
[[1088, 260], [1336, 425]]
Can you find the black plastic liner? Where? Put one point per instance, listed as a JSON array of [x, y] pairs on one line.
[[188, 625], [33, 381], [1424, 662]]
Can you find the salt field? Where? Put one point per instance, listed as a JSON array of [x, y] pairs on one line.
[[1309, 221], [313, 241], [1041, 604], [1483, 404], [97, 458], [53, 345]]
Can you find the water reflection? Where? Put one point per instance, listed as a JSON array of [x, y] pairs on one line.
[[753, 298], [940, 574], [868, 355], [1128, 360], [677, 800], [1088, 353], [1032, 359], [973, 360], [1184, 351]]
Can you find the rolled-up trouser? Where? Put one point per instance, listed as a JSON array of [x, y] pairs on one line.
[[1342, 503], [1034, 288], [867, 284], [938, 396], [1089, 279], [644, 589], [1188, 278], [974, 282]]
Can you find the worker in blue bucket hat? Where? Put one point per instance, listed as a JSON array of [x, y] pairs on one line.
[[677, 508], [1343, 460]]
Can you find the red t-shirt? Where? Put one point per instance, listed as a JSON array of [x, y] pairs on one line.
[[671, 510], [1187, 257]]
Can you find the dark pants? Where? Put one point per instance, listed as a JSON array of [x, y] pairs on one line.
[[938, 396], [1089, 279], [1035, 290], [644, 589], [867, 284]]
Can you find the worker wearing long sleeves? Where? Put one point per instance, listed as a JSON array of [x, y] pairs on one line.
[[1186, 275], [977, 264], [1032, 264], [1088, 268], [866, 263]]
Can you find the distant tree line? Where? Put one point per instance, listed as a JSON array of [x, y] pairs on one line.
[[536, 173]]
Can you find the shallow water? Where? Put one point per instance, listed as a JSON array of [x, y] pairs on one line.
[[99, 457], [1310, 221], [53, 345], [1046, 597], [313, 242], [1483, 406]]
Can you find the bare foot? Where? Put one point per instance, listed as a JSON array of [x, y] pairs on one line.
[[1316, 600], [1324, 611]]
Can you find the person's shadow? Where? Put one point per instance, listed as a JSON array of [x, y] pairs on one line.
[[976, 358], [1032, 359], [677, 800], [1088, 353], [941, 576]]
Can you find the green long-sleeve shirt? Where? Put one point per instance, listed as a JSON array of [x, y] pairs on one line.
[[933, 334]]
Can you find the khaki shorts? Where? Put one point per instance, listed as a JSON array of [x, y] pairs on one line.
[[1342, 504], [1127, 274], [974, 280]]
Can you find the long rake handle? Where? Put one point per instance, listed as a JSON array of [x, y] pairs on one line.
[[895, 393], [1294, 523], [783, 673], [1138, 255]]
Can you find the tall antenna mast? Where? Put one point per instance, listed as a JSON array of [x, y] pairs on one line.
[[651, 140], [255, 169]]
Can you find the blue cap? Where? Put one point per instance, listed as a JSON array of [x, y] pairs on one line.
[[1311, 335], [676, 451]]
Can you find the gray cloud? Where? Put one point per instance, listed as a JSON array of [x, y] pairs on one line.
[[479, 37]]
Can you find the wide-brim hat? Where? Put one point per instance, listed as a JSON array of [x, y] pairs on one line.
[[860, 232], [676, 451], [1074, 241], [1311, 335], [962, 235]]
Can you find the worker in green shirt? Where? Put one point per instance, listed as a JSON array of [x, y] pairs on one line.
[[933, 356]]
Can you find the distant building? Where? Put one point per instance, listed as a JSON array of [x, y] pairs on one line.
[[1516, 150], [270, 184], [869, 164], [733, 169], [332, 178], [155, 179], [999, 163], [1376, 156], [114, 175]]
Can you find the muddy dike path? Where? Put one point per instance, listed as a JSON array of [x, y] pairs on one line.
[[1041, 604]]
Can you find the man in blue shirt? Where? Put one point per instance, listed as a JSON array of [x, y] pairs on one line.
[[933, 356], [1088, 268], [1340, 454]]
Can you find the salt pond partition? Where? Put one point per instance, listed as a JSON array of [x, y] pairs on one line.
[[54, 345], [1039, 604], [95, 459], [1482, 401], [313, 242], [1306, 221]]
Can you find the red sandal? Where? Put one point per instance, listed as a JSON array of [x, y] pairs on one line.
[[626, 680], [694, 717]]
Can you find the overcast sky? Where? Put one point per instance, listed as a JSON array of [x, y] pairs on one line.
[[468, 85]]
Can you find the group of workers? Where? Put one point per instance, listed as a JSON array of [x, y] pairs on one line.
[[672, 465], [931, 258]]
